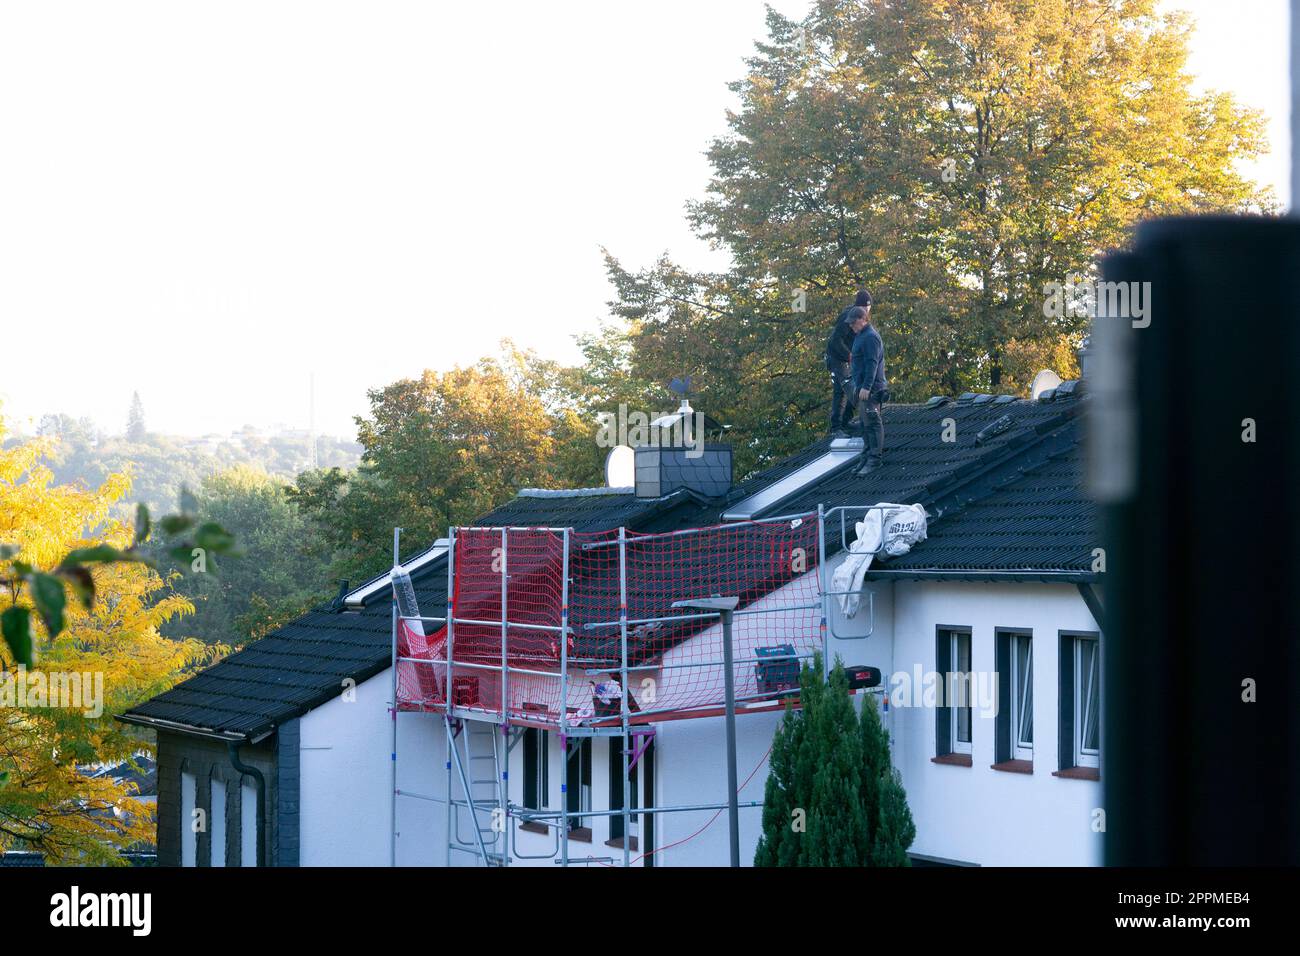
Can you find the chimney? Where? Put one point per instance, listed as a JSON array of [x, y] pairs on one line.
[[677, 456], [1085, 357]]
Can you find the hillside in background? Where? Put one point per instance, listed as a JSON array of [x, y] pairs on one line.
[[160, 465]]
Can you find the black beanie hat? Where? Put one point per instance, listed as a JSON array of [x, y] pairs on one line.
[[863, 299]]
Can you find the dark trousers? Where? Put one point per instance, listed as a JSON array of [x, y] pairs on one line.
[[873, 431], [842, 403]]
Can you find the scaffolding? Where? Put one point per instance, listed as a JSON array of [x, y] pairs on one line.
[[576, 633]]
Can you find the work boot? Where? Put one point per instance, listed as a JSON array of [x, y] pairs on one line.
[[870, 465]]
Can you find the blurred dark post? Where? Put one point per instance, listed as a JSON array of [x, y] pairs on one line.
[[1201, 531]]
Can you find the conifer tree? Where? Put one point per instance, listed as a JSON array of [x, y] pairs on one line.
[[833, 797], [135, 427]]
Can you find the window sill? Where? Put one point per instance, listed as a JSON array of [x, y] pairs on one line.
[[1078, 773], [953, 760], [1014, 766], [617, 843], [580, 834], [532, 826]]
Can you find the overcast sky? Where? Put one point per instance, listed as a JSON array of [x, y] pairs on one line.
[[364, 190]]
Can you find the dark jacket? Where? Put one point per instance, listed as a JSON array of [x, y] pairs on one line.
[[868, 363], [839, 347]]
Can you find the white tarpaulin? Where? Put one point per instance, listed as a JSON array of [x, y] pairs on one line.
[[904, 526]]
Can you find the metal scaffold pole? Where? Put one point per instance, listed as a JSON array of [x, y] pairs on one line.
[[564, 701], [625, 744], [392, 836], [503, 817], [446, 687], [821, 586]]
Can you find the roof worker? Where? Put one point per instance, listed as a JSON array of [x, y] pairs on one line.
[[867, 362], [839, 348]]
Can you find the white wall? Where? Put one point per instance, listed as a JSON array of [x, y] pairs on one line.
[[346, 782], [976, 814]]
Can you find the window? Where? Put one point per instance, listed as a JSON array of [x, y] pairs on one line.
[[1080, 718], [217, 823], [247, 825], [577, 778], [1015, 721], [953, 729], [616, 746], [537, 784], [959, 688], [1087, 702], [189, 820]]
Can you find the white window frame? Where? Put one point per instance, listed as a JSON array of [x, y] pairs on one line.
[[958, 745], [1086, 757], [1022, 687]]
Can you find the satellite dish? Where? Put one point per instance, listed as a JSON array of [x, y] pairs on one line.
[[620, 467], [1044, 381]]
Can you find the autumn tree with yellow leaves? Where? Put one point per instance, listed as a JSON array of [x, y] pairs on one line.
[[52, 536]]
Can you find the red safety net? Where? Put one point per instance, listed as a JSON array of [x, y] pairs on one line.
[[673, 656]]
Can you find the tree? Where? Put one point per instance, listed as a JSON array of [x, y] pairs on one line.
[[833, 797], [280, 573], [951, 155], [63, 535], [445, 448], [135, 428]]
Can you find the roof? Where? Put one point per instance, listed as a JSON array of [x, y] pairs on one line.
[[933, 447], [1028, 517], [1000, 477], [303, 664]]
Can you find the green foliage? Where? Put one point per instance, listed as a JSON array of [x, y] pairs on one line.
[[833, 797], [48, 591], [280, 573], [445, 448], [951, 156], [161, 466]]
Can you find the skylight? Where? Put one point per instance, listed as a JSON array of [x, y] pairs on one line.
[[842, 450]]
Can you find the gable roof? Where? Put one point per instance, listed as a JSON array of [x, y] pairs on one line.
[[1026, 518], [303, 664], [1004, 495]]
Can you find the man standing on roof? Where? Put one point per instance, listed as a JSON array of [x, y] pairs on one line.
[[869, 388], [839, 348]]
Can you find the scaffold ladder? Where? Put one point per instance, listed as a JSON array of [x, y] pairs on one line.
[[480, 759]]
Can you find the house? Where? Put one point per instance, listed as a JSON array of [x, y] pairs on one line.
[[139, 775], [291, 747]]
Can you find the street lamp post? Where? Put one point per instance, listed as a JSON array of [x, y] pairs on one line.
[[726, 606]]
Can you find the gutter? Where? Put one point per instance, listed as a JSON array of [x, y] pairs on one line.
[[259, 782], [1081, 578], [155, 723]]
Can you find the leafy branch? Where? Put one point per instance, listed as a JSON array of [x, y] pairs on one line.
[[49, 590]]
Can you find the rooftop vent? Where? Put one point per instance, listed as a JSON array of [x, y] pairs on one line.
[[994, 429]]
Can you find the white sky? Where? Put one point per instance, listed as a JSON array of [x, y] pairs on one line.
[[364, 190]]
